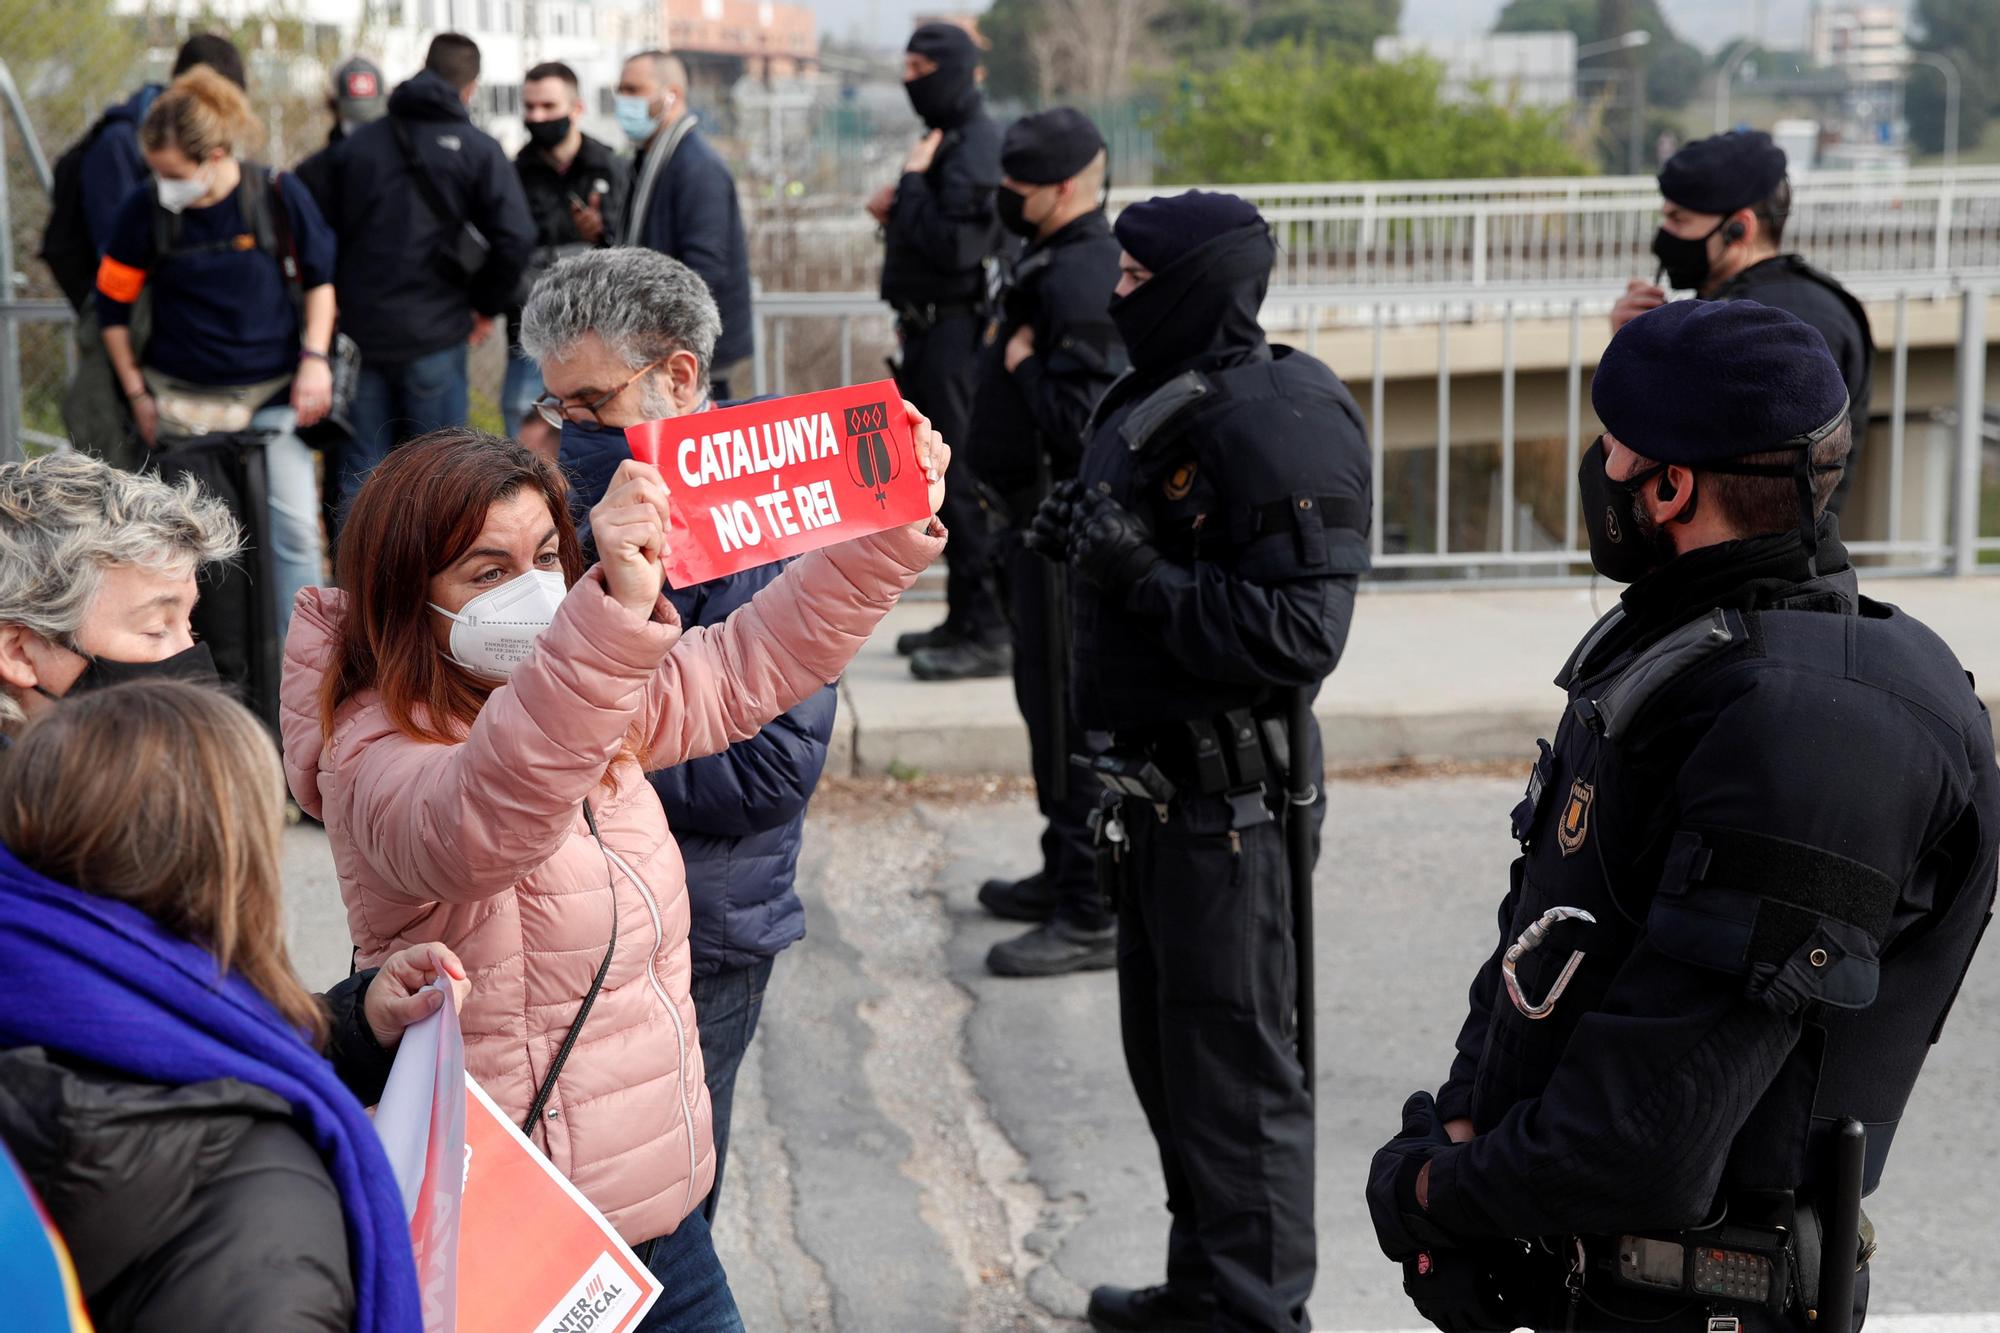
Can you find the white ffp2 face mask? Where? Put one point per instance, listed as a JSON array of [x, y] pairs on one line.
[[177, 195], [492, 633]]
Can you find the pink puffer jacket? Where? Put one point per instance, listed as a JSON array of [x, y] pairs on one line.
[[482, 845]]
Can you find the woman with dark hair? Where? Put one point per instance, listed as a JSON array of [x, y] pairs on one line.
[[161, 1076], [471, 716]]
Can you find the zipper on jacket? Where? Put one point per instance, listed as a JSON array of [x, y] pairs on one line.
[[673, 1011]]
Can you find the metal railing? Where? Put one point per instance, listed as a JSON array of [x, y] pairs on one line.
[[1931, 494], [1480, 233]]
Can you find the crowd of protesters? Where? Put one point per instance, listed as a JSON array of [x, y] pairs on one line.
[[271, 359]]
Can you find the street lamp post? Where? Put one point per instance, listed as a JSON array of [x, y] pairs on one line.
[[1724, 79], [1946, 66], [1626, 41]]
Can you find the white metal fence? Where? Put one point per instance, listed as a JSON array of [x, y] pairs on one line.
[[1481, 233], [1933, 463]]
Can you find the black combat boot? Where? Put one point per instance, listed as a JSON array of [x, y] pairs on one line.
[[1158, 1309], [1054, 948], [1030, 899], [967, 659], [937, 636]]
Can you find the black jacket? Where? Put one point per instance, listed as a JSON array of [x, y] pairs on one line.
[[396, 300], [1779, 800], [942, 226], [595, 170], [693, 215], [194, 1207], [1061, 288], [1251, 468]]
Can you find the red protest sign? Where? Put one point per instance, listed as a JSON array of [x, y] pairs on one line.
[[765, 481]]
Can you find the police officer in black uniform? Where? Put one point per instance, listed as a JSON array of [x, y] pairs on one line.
[[1051, 351], [939, 230], [1727, 199], [1755, 864], [1214, 537]]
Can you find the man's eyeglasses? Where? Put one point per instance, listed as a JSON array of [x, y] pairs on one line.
[[555, 411]]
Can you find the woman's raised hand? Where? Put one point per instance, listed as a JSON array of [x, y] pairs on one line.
[[630, 527], [933, 454]]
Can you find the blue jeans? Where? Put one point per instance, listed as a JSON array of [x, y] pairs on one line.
[[397, 403], [696, 1299], [293, 535], [520, 389], [726, 1008]]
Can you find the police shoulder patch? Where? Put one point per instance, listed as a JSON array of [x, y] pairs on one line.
[[1575, 826]]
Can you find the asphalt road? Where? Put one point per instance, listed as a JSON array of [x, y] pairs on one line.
[[921, 1146]]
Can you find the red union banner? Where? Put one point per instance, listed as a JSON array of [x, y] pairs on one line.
[[765, 481]]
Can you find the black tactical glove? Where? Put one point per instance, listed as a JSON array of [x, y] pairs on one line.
[[1048, 531], [1108, 544], [1400, 1225], [1457, 1291]]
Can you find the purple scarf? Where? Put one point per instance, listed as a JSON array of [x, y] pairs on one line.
[[100, 981]]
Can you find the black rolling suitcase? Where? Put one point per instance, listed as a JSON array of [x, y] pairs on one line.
[[234, 616]]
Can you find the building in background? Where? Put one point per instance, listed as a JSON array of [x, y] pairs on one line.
[[1513, 69], [1867, 41], [291, 59]]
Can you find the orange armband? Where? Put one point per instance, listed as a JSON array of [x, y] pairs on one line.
[[120, 282]]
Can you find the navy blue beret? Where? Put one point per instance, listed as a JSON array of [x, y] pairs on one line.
[[1694, 382], [1160, 230], [1724, 172], [1049, 146]]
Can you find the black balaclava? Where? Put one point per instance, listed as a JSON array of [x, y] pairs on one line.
[[946, 96], [1205, 301]]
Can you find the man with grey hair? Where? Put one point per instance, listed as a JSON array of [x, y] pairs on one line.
[[97, 579], [625, 336], [684, 200]]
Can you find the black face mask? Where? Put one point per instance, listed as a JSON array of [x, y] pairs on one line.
[[1686, 261], [1012, 206], [548, 133], [1624, 547], [194, 665], [936, 97]]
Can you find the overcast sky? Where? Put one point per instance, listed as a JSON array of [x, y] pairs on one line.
[[1706, 23]]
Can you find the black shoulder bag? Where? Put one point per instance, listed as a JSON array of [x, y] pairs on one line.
[[590, 997], [464, 250]]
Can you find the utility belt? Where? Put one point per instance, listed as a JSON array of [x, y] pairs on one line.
[[1763, 1256], [1241, 756], [918, 318]]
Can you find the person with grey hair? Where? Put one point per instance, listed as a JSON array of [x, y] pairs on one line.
[[97, 579], [625, 336]]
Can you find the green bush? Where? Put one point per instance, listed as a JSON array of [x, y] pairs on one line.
[[1291, 113]]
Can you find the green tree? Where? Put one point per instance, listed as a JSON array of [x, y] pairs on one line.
[[1010, 67], [1970, 31], [1349, 27], [1924, 104], [1289, 113]]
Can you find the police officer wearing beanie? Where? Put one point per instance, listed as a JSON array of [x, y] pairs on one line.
[[1050, 352], [938, 231], [1755, 864], [1727, 200], [1213, 537]]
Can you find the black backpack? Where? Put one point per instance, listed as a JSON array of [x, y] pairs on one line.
[[66, 245]]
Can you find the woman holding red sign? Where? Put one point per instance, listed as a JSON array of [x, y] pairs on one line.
[[472, 715]]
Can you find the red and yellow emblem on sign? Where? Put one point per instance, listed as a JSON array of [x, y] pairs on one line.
[[1576, 817]]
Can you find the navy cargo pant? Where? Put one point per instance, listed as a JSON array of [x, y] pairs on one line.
[[1068, 860], [940, 367], [1207, 989]]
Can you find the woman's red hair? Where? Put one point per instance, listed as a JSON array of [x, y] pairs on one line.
[[419, 512]]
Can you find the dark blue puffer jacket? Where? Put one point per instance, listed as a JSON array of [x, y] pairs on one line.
[[738, 816], [113, 164]]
